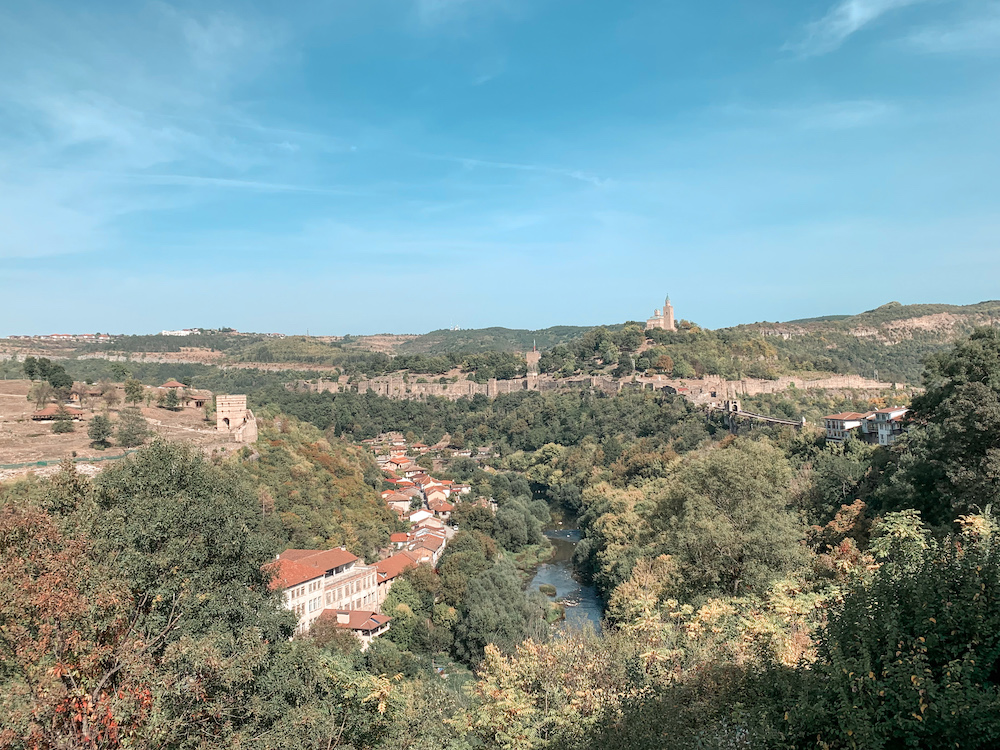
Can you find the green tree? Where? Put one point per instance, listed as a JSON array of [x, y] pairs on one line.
[[30, 368], [171, 401], [41, 393], [496, 610], [950, 463], [132, 428], [99, 430], [134, 391], [63, 421], [119, 371], [910, 658], [725, 518]]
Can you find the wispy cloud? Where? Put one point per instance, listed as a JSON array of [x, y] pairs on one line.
[[844, 19], [572, 174], [832, 115], [976, 34]]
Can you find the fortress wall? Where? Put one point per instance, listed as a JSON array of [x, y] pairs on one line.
[[709, 388]]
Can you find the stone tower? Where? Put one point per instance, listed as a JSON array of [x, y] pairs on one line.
[[668, 315], [664, 319]]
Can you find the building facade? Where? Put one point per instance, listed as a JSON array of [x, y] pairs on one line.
[[663, 319], [312, 581]]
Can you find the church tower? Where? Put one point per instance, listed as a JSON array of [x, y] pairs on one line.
[[668, 315]]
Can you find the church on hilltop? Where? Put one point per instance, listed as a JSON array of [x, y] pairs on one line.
[[663, 319]]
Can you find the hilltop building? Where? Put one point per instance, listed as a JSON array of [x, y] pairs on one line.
[[663, 319]]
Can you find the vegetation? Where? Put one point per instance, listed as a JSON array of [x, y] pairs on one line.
[[132, 428], [99, 430], [762, 591]]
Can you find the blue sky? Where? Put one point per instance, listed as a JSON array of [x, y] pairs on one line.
[[367, 166]]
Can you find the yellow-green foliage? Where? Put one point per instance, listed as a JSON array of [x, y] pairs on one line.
[[315, 489]]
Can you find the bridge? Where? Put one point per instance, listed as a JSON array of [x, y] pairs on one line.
[[734, 413]]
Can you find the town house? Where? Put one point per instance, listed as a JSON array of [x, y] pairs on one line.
[[314, 580]]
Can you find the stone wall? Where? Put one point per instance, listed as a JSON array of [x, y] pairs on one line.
[[705, 390]]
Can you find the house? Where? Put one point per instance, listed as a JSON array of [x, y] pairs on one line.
[[398, 540], [398, 463], [888, 424], [440, 508], [389, 570], [366, 624], [302, 587], [196, 399], [55, 411], [839, 427], [173, 384], [422, 555], [429, 543], [435, 494], [434, 524], [314, 580], [419, 515]]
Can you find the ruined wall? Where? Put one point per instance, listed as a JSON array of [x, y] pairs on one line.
[[233, 416], [706, 390]]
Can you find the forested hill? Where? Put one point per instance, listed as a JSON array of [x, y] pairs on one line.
[[492, 339], [900, 318]]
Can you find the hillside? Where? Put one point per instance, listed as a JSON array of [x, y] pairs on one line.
[[492, 339], [893, 339]]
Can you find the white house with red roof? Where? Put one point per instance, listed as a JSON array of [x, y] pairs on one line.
[[366, 624], [839, 427], [314, 580], [889, 424]]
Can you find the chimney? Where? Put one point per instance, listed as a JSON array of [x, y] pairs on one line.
[[343, 617]]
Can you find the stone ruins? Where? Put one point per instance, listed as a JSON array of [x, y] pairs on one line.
[[233, 416]]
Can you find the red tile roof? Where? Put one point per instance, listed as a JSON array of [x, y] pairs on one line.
[[399, 536], [288, 573], [393, 566], [173, 384], [320, 559], [846, 416], [53, 410], [358, 619]]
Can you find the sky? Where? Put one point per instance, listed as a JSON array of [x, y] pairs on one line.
[[366, 166]]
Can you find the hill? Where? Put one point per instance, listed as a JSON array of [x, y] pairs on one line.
[[492, 339]]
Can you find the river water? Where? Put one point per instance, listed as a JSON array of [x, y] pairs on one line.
[[583, 606]]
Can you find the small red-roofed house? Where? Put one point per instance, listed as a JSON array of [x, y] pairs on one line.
[[435, 493], [419, 515], [441, 509], [366, 624], [54, 411]]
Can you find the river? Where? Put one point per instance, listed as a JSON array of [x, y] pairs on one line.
[[583, 606]]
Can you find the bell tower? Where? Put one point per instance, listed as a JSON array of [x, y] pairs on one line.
[[668, 315]]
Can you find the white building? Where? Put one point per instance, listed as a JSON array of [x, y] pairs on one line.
[[315, 580], [889, 424], [840, 427]]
